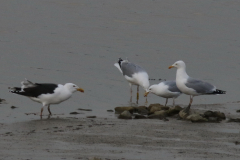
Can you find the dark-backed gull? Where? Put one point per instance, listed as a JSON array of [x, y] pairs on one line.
[[46, 93]]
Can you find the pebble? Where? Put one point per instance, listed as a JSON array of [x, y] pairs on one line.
[[13, 107], [74, 113], [91, 116], [84, 109]]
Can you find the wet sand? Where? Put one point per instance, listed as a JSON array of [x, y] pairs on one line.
[[112, 138], [75, 41]]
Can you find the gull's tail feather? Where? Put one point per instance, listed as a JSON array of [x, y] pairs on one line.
[[217, 91], [16, 90], [27, 84]]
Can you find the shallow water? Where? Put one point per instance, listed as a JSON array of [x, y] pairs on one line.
[[79, 41]]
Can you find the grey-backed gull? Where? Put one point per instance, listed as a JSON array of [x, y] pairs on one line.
[[134, 74], [165, 89], [46, 93], [191, 86]]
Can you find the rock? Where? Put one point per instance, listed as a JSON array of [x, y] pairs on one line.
[[91, 116], [238, 110], [196, 118], [208, 114], [234, 120], [162, 113], [158, 115], [215, 116], [155, 108], [74, 113], [2, 100], [219, 115], [125, 115], [141, 110], [154, 104], [174, 110], [183, 114], [119, 110], [13, 107], [214, 119], [84, 109], [138, 116], [110, 110]]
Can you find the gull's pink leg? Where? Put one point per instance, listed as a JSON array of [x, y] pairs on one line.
[[166, 101], [49, 110], [137, 94], [41, 111], [130, 92]]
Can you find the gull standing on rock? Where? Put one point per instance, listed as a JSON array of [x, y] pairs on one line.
[[191, 86], [46, 93], [134, 74], [165, 89]]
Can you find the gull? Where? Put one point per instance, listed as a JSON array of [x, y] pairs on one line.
[[134, 74], [191, 86], [165, 89], [46, 93]]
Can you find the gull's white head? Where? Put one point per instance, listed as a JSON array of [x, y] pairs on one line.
[[73, 87], [178, 64], [151, 89]]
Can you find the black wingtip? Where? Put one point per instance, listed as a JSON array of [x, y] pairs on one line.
[[219, 92]]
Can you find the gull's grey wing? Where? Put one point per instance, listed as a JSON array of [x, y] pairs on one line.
[[200, 86], [172, 86], [130, 68]]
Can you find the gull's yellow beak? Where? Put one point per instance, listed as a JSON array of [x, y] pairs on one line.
[[145, 94], [170, 67], [80, 89]]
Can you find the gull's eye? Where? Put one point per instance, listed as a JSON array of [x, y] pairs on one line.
[[74, 86]]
